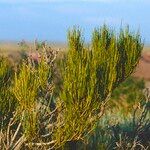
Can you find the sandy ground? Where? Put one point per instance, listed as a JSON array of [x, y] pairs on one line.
[[143, 68]]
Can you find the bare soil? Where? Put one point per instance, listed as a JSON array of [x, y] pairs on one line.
[[143, 68]]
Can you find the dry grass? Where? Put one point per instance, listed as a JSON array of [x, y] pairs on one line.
[[11, 47]]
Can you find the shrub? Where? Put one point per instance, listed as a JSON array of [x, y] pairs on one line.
[[32, 88], [90, 76]]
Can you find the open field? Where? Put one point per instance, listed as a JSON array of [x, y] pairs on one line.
[[7, 48]]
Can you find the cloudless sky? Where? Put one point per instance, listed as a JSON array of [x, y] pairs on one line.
[[50, 19]]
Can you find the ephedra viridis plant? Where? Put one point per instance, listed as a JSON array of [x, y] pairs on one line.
[[90, 74]]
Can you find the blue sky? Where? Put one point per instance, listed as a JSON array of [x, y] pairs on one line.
[[50, 19]]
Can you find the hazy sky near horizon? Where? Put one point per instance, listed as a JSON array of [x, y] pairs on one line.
[[50, 19]]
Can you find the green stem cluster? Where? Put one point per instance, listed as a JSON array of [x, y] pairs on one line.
[[91, 74]]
